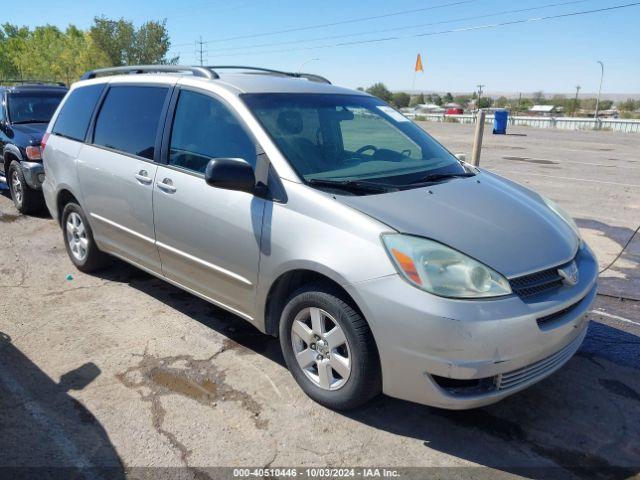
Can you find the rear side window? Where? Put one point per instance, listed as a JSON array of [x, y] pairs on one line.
[[128, 120], [73, 119]]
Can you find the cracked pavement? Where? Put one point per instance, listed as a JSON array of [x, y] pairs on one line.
[[121, 370]]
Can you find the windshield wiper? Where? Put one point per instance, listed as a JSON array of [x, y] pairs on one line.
[[435, 177], [352, 185]]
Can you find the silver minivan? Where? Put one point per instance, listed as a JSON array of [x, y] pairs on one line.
[[326, 218]]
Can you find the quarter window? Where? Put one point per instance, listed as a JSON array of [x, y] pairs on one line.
[[129, 118], [205, 128], [73, 119]]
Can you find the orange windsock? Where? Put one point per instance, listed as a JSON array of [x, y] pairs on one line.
[[419, 64]]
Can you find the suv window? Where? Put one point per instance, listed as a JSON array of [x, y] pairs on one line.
[[205, 128], [128, 120], [73, 119]]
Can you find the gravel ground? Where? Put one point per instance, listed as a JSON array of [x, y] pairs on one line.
[[128, 374]]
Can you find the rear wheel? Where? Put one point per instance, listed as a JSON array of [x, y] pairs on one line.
[[329, 349], [26, 199], [78, 240]]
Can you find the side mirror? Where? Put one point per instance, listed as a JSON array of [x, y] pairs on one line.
[[230, 174]]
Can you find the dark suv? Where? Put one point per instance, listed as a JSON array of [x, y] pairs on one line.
[[25, 111]]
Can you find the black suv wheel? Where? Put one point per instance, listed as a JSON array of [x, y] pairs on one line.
[[26, 199]]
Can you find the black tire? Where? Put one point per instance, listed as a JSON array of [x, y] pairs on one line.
[[94, 259], [28, 201], [365, 380]]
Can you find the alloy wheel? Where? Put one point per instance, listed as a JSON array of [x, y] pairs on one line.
[[16, 187], [321, 348], [77, 237]]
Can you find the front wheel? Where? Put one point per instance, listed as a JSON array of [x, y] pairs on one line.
[[329, 349], [26, 199]]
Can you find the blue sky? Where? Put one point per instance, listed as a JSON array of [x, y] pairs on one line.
[[553, 56]]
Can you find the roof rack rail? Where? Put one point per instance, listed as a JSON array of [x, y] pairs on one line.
[[22, 81], [309, 76], [136, 69]]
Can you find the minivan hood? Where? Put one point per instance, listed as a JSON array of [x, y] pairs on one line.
[[499, 223]]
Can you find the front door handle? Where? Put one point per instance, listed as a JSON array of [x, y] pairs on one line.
[[166, 185], [143, 177]]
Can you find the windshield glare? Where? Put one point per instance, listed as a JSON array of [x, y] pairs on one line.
[[349, 138], [33, 107]]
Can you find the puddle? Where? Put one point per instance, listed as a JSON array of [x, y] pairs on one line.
[[200, 390], [199, 380], [530, 160]]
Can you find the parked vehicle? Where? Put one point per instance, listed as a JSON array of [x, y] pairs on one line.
[[25, 111], [324, 217], [455, 111]]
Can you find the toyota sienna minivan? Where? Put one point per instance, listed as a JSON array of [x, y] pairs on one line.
[[326, 218]]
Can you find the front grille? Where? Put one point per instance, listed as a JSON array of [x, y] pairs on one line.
[[539, 368], [535, 283]]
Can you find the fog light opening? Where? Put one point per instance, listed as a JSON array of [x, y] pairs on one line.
[[459, 387]]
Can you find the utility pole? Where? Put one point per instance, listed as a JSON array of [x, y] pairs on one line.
[[199, 50], [480, 87], [575, 102], [519, 102], [600, 89]]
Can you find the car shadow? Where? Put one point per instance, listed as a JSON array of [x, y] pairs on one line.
[[45, 432], [581, 421]]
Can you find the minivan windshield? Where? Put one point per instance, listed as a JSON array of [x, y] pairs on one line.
[[33, 107], [351, 140]]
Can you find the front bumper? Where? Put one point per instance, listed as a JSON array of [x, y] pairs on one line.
[[422, 338], [33, 174]]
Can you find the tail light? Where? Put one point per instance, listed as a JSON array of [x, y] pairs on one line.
[[43, 143]]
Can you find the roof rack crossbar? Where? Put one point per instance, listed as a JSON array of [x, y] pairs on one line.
[[136, 69], [31, 81], [309, 76]]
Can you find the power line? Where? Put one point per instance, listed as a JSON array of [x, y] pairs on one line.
[[406, 27], [441, 32], [342, 22]]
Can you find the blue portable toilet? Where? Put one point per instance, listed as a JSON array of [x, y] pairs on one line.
[[500, 118]]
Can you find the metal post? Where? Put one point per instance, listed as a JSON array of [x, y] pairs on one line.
[[599, 92], [575, 102], [477, 139]]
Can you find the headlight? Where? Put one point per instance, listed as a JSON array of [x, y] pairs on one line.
[[441, 270], [558, 210]]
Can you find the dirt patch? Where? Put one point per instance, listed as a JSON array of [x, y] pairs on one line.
[[8, 217]]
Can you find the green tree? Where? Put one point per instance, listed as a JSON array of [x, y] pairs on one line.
[[629, 105], [484, 102], [401, 99], [502, 102], [124, 45], [448, 98], [417, 100], [381, 91], [462, 100], [539, 98], [437, 99]]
